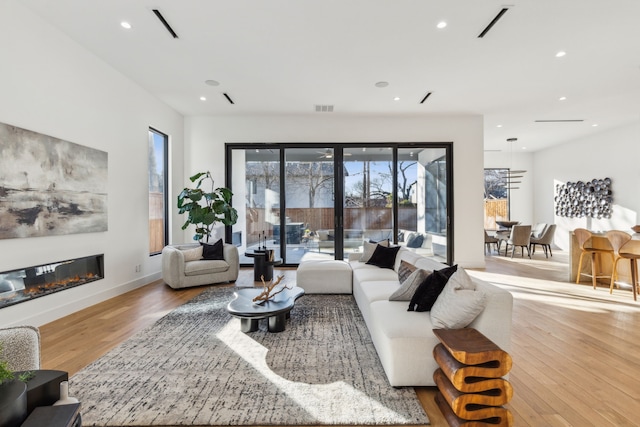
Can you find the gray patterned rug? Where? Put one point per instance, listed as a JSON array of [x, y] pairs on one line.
[[194, 367]]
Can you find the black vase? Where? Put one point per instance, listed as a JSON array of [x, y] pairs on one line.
[[13, 403]]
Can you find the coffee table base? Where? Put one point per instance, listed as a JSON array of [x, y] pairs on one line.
[[275, 323]]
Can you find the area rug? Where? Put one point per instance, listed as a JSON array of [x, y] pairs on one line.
[[194, 367]]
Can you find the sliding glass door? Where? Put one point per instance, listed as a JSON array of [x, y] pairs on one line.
[[323, 201]]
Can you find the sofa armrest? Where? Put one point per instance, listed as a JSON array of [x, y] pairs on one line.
[[230, 255], [20, 347], [172, 266]]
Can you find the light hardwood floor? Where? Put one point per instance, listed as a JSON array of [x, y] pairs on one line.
[[576, 350]]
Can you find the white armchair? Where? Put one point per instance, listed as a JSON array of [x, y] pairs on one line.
[[180, 270]]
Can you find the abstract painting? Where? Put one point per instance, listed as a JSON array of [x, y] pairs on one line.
[[49, 186]]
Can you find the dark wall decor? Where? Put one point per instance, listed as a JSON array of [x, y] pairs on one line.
[[49, 186], [584, 199]]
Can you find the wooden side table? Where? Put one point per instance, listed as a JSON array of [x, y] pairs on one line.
[[471, 388]]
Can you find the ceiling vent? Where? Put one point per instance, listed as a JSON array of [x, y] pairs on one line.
[[228, 98], [493, 22], [425, 97], [324, 108], [560, 121], [165, 23]]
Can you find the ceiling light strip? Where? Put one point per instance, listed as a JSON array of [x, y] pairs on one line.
[[493, 22], [165, 23], [425, 97], [228, 98]]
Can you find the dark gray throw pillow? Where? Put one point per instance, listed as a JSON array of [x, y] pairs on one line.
[[428, 291], [211, 252], [384, 257]]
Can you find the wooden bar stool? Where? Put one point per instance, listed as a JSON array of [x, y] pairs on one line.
[[583, 236], [618, 239]]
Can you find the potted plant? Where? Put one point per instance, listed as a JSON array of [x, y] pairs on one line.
[[205, 209]]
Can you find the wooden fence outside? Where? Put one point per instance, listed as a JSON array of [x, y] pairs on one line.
[[495, 210]]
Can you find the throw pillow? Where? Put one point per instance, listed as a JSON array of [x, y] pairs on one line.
[[409, 286], [461, 280], [427, 293], [384, 257], [369, 248], [192, 254], [212, 251], [405, 270], [415, 241], [457, 307]]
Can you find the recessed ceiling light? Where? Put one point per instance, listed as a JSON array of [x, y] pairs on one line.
[[562, 98], [524, 148], [441, 24], [594, 125], [561, 54], [212, 82], [125, 24], [499, 126], [382, 84], [202, 98], [397, 98]]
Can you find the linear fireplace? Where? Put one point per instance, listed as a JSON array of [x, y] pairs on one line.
[[25, 284]]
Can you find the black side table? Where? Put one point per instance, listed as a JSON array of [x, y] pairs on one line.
[[44, 388], [262, 265]]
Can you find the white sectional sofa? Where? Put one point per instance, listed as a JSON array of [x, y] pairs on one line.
[[404, 339]]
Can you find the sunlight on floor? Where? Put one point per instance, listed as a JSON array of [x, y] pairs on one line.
[[315, 399], [563, 294]]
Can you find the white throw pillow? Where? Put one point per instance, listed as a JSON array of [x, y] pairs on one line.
[[369, 249], [409, 286], [457, 306], [194, 254]]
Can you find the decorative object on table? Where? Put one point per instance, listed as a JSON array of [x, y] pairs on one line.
[[636, 228], [579, 199], [65, 399], [269, 290], [216, 209], [50, 186], [288, 368]]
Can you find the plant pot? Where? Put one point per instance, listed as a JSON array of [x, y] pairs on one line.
[[13, 403]]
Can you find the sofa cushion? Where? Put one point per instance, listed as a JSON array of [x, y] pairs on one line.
[[384, 257], [456, 307], [212, 252], [408, 287], [193, 254], [194, 268], [369, 248], [428, 291]]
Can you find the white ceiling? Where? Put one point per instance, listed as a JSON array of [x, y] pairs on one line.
[[286, 56]]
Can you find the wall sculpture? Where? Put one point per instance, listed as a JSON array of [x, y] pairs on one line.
[[584, 199]]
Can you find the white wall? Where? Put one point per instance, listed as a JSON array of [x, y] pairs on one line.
[[521, 200], [205, 138], [51, 85], [614, 154]]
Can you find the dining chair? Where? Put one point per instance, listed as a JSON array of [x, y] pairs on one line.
[[545, 240], [520, 237], [488, 241], [583, 236]]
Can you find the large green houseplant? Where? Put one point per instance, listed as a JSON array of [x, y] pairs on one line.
[[206, 208]]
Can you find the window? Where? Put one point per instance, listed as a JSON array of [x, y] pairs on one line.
[[158, 162], [496, 197]]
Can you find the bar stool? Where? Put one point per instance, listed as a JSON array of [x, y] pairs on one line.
[[582, 236], [618, 239]]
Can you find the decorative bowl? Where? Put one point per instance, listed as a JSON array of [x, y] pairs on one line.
[[636, 228]]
